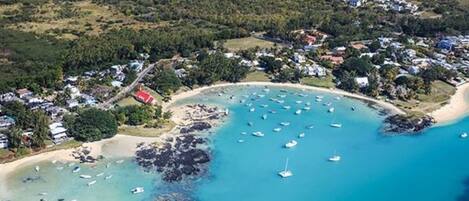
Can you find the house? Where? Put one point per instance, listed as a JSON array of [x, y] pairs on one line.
[[414, 70], [55, 112], [116, 83], [6, 122], [334, 59], [298, 58], [362, 81], [339, 51], [315, 70], [136, 65], [3, 141], [72, 103], [358, 46], [23, 93], [88, 99], [410, 53], [74, 91], [446, 44], [144, 97], [8, 97], [309, 39], [58, 133], [355, 3]]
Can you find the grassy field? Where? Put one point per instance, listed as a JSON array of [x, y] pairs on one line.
[[326, 82], [256, 76], [146, 132], [89, 18], [247, 43], [441, 93]]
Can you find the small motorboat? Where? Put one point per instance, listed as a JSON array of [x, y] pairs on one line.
[[60, 168], [264, 105], [352, 108], [244, 133], [266, 89], [100, 174], [301, 135], [291, 144], [335, 125], [285, 173], [299, 102], [76, 169], [250, 124], [334, 158], [240, 141], [463, 135], [264, 116], [307, 108], [282, 96], [308, 103], [331, 110], [298, 112], [37, 168], [273, 111], [318, 99], [337, 98], [287, 107], [137, 190], [108, 177], [327, 104], [252, 109], [258, 134], [84, 176], [280, 101], [91, 183], [277, 129], [42, 194], [54, 161], [310, 127], [285, 123]]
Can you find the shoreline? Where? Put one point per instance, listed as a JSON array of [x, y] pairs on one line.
[[183, 95], [456, 109], [117, 146]]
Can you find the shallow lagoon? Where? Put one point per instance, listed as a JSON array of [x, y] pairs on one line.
[[432, 166]]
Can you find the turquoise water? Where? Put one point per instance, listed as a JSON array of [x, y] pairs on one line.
[[430, 167]]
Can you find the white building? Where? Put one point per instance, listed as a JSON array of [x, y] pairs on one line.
[[362, 81], [3, 141], [58, 133]]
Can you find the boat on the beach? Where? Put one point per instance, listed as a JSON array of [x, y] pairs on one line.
[[291, 144], [301, 135], [336, 125], [277, 129], [285, 173], [298, 112], [463, 135], [258, 134], [91, 183], [137, 190], [285, 123], [84, 176], [76, 169]]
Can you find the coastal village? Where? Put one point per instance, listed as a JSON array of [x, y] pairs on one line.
[[394, 68]]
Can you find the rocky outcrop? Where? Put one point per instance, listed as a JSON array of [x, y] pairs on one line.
[[407, 124], [194, 127]]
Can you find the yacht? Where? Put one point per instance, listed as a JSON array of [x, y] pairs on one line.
[[137, 190], [285, 123], [76, 169], [298, 112], [334, 158], [277, 129], [291, 144], [84, 176], [258, 134], [463, 135], [335, 125], [285, 173], [301, 135]]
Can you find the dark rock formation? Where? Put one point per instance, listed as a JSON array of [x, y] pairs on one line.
[[176, 159], [407, 124], [196, 126]]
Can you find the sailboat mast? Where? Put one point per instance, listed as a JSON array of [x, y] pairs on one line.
[[286, 165]]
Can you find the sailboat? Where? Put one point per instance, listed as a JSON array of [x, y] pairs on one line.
[[335, 125], [285, 173], [334, 158]]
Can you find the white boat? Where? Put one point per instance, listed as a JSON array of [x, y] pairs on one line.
[[84, 176], [299, 102], [285, 123], [285, 173], [307, 108], [258, 134], [248, 104], [252, 109], [240, 141], [264, 105], [37, 168], [334, 158], [76, 169], [318, 100], [264, 116], [335, 125], [54, 161], [310, 127], [320, 97], [291, 144], [137, 190], [301, 135], [280, 101], [100, 174], [331, 109], [298, 112], [308, 103], [282, 96], [287, 107], [277, 129], [337, 98], [463, 135], [273, 111], [327, 104], [244, 133], [119, 161], [91, 183], [266, 90], [42, 194], [108, 177], [261, 95], [250, 123], [108, 165]]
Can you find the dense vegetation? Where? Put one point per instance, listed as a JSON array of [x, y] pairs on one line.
[[92, 125]]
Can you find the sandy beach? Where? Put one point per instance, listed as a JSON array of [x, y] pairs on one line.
[[118, 146], [457, 107], [197, 91]]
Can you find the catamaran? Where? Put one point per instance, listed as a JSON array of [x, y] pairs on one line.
[[285, 173], [463, 135], [291, 144]]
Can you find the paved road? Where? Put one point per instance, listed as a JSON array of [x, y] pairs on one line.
[[124, 91]]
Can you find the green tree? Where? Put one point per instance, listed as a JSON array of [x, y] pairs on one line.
[[15, 137], [165, 81], [40, 129], [93, 124]]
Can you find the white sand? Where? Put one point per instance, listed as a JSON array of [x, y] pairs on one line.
[[118, 146], [194, 92], [456, 108]]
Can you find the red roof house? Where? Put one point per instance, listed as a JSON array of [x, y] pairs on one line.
[[144, 97], [309, 39]]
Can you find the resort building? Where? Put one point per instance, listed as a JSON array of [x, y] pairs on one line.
[[362, 82], [58, 133]]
